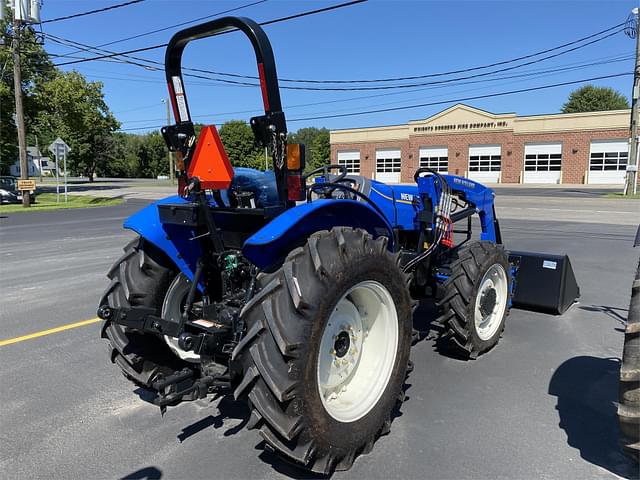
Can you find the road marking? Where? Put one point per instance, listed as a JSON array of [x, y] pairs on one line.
[[42, 333]]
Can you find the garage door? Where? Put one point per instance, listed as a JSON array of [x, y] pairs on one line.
[[542, 162], [436, 158], [485, 163], [388, 165], [608, 161], [350, 159]]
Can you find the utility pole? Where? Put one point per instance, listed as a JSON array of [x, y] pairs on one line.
[[17, 86], [631, 182], [171, 169]]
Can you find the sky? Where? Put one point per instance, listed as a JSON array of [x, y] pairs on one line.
[[372, 40]]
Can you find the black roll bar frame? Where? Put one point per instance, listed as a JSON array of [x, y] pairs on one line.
[[270, 129]]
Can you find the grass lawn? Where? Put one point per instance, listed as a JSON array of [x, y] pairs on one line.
[[624, 197], [47, 201]]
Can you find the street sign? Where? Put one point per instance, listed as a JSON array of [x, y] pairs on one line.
[[26, 185], [60, 149]]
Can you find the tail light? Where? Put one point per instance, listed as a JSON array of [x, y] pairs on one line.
[[295, 166], [295, 188]]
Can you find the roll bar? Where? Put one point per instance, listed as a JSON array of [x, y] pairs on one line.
[[269, 129]]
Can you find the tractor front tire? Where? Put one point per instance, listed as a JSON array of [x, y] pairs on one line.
[[140, 277], [325, 355], [629, 404], [475, 298]]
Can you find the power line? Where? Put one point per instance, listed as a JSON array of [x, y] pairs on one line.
[[442, 102], [422, 84], [440, 74], [224, 12], [91, 12], [269, 22], [459, 100], [378, 87], [524, 76]]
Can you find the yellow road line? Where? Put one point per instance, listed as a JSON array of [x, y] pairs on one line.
[[42, 333]]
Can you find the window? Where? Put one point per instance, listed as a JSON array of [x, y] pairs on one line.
[[439, 164], [435, 158], [543, 162], [388, 162], [611, 161], [350, 160], [485, 162]]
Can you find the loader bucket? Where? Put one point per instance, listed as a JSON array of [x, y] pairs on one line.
[[543, 282]]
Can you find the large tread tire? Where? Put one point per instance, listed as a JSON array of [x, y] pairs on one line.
[[140, 277], [467, 266], [629, 394], [278, 355]]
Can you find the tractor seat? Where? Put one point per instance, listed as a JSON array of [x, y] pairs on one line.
[[261, 184]]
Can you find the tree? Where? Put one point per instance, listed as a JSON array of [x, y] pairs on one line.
[[239, 143], [152, 154], [317, 147], [320, 150], [74, 109], [36, 68], [594, 99], [123, 160]]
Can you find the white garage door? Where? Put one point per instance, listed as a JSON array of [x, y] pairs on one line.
[[542, 162], [485, 163], [350, 159], [608, 161], [435, 158], [388, 165]]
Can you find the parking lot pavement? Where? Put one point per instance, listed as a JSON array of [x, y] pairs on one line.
[[540, 405]]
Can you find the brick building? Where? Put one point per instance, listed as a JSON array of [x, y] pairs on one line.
[[492, 148]]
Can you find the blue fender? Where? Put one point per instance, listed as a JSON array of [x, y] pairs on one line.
[[292, 228], [269, 244], [174, 240]]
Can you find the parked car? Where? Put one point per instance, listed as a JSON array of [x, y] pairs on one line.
[[9, 192]]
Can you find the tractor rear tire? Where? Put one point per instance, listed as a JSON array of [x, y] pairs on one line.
[[303, 309], [140, 277], [629, 395], [479, 280]]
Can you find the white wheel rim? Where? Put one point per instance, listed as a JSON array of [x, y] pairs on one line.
[[351, 380], [172, 311], [491, 301]]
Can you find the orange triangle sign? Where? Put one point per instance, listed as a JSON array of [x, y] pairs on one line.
[[210, 162]]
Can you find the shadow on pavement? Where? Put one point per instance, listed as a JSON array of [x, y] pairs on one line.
[[587, 392], [611, 312], [147, 473], [227, 408]]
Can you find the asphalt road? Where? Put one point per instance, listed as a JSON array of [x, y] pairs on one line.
[[146, 188], [540, 405]]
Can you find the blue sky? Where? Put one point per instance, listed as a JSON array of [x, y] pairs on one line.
[[376, 39]]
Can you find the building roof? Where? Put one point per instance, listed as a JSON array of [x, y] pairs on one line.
[[461, 119]]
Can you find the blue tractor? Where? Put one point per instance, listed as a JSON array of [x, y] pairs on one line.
[[295, 292]]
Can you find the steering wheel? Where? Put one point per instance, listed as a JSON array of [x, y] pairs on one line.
[[325, 172], [325, 192]]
